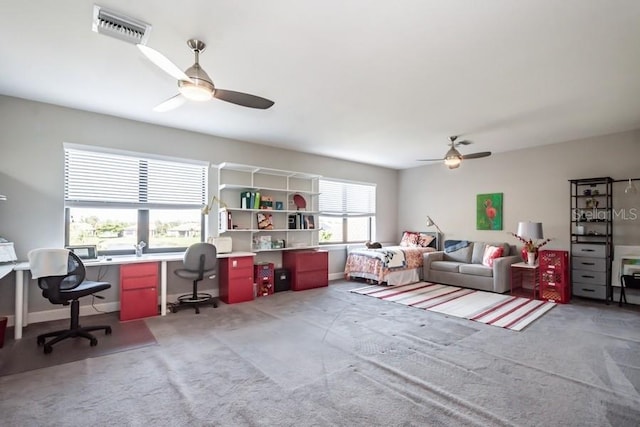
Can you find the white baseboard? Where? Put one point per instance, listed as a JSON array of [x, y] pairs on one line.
[[88, 310], [336, 276]]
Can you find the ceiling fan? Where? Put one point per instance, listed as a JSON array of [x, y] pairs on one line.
[[194, 83], [453, 158]]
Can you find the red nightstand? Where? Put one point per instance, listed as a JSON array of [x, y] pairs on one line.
[[525, 280]]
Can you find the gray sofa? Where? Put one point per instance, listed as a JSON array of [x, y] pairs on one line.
[[464, 267]]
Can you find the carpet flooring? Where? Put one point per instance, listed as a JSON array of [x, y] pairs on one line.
[[500, 310], [25, 355], [330, 357]]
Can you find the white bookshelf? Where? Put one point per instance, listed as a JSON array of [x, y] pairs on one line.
[[235, 179]]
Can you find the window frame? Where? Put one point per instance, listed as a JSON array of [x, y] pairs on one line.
[[345, 213], [142, 206]]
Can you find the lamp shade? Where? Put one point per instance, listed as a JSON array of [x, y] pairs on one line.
[[430, 223], [530, 230]]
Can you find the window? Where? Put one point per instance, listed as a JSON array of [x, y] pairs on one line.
[[115, 199], [347, 211]]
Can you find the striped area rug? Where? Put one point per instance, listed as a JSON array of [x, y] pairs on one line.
[[501, 310]]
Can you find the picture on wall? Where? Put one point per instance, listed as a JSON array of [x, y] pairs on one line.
[[489, 211]]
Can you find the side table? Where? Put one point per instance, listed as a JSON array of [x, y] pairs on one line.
[[525, 280]]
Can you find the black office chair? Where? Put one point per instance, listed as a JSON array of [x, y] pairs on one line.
[[631, 281], [64, 288], [200, 261]]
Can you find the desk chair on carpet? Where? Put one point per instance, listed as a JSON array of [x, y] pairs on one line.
[[631, 281], [200, 261], [61, 276]]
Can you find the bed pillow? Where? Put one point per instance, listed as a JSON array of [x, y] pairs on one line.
[[490, 254], [410, 239]]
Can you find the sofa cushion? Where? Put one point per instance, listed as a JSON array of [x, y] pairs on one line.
[[448, 266], [461, 255], [476, 270], [478, 250]]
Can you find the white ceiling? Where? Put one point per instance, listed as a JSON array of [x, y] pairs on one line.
[[374, 81]]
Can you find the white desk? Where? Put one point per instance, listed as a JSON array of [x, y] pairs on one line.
[[22, 269]]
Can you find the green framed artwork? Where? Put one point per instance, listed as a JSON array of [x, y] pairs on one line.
[[489, 211]]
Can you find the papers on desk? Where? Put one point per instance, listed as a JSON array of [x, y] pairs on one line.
[[5, 269]]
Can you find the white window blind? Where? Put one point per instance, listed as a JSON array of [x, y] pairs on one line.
[[98, 178], [341, 198]]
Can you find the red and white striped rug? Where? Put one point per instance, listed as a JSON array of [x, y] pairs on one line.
[[501, 310]]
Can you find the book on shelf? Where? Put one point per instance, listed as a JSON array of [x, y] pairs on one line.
[[245, 199], [225, 221], [265, 221], [309, 222], [299, 221]]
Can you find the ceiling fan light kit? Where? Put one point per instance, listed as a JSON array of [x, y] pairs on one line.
[[453, 158]]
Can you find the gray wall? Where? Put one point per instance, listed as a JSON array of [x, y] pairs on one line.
[[535, 187], [534, 181], [32, 173]]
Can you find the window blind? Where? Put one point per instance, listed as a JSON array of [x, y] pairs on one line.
[[347, 198], [99, 178]]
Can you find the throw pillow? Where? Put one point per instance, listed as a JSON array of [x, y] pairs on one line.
[[424, 240], [491, 253], [410, 239]]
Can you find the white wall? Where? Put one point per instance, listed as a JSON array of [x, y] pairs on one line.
[[32, 170], [535, 186]]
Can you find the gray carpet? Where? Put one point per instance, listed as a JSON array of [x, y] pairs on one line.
[[24, 354], [327, 357]]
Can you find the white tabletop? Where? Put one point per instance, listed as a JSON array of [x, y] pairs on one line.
[[131, 259], [524, 265]]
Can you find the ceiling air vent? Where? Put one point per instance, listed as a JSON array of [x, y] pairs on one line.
[[119, 26]]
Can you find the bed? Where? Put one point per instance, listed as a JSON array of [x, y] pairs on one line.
[[392, 265]]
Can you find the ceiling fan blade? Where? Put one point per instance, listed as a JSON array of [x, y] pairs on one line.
[[430, 160], [477, 155], [243, 99], [463, 142], [170, 104], [163, 63]]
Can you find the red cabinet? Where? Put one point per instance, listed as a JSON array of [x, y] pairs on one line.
[[263, 278], [309, 269], [236, 279], [138, 290], [554, 276]]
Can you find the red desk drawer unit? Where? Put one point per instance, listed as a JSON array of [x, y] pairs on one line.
[[554, 276], [236, 279], [138, 290], [309, 269]]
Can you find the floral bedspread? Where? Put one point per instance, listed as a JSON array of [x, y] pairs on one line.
[[376, 264]]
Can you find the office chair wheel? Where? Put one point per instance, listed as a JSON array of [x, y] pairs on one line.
[[48, 349], [93, 342], [40, 341], [107, 331]]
